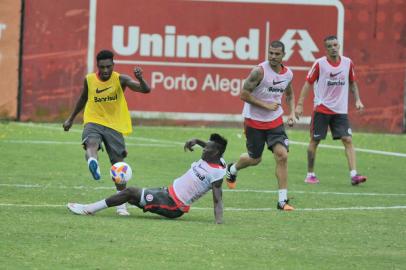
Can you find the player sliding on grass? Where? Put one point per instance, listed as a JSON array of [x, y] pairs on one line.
[[175, 200], [106, 115], [333, 75]]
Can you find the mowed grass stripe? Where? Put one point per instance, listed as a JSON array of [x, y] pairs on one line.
[[77, 143], [335, 147]]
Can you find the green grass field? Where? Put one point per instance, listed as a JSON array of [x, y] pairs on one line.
[[335, 226]]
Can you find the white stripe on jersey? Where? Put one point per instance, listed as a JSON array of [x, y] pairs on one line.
[[197, 181]]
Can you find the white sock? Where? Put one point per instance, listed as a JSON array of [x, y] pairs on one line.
[[353, 173], [283, 195], [310, 174], [90, 159], [97, 206], [233, 169]]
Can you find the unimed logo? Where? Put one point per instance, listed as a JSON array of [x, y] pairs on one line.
[[196, 54], [177, 45]]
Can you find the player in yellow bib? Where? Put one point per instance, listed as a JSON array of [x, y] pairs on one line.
[[106, 117]]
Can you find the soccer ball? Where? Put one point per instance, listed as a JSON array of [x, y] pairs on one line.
[[121, 172]]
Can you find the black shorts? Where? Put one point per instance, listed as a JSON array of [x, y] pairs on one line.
[[256, 139], [112, 140], [338, 123], [159, 201]]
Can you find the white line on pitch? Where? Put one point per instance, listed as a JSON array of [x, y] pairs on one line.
[[357, 208], [356, 149], [31, 205], [311, 209], [225, 190], [318, 192]]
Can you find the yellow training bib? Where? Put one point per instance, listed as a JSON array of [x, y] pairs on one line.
[[106, 104]]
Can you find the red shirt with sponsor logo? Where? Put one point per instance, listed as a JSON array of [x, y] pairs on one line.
[[331, 84]]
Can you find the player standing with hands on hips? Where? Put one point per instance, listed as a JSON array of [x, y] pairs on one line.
[[262, 93], [332, 75], [106, 117]]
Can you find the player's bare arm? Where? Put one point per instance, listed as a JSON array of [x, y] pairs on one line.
[[254, 78], [290, 100], [192, 142], [140, 86], [80, 104], [303, 94], [355, 91], [218, 201]]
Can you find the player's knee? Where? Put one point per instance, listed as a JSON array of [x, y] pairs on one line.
[[132, 193], [92, 143], [255, 161], [281, 156], [346, 140], [114, 158], [131, 190], [312, 146]]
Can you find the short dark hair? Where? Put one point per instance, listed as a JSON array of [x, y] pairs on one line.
[[278, 44], [220, 141], [331, 37], [104, 54]]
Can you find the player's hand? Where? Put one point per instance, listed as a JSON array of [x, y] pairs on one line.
[[359, 105], [138, 73], [298, 111], [273, 106], [291, 120], [189, 145], [67, 125]]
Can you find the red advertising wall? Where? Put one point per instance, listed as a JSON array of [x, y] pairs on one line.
[[54, 57], [375, 38], [209, 78], [9, 56], [195, 54]]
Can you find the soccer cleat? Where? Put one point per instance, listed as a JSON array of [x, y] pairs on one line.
[[312, 180], [122, 210], [78, 209], [285, 206], [231, 179], [94, 169], [358, 179]]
